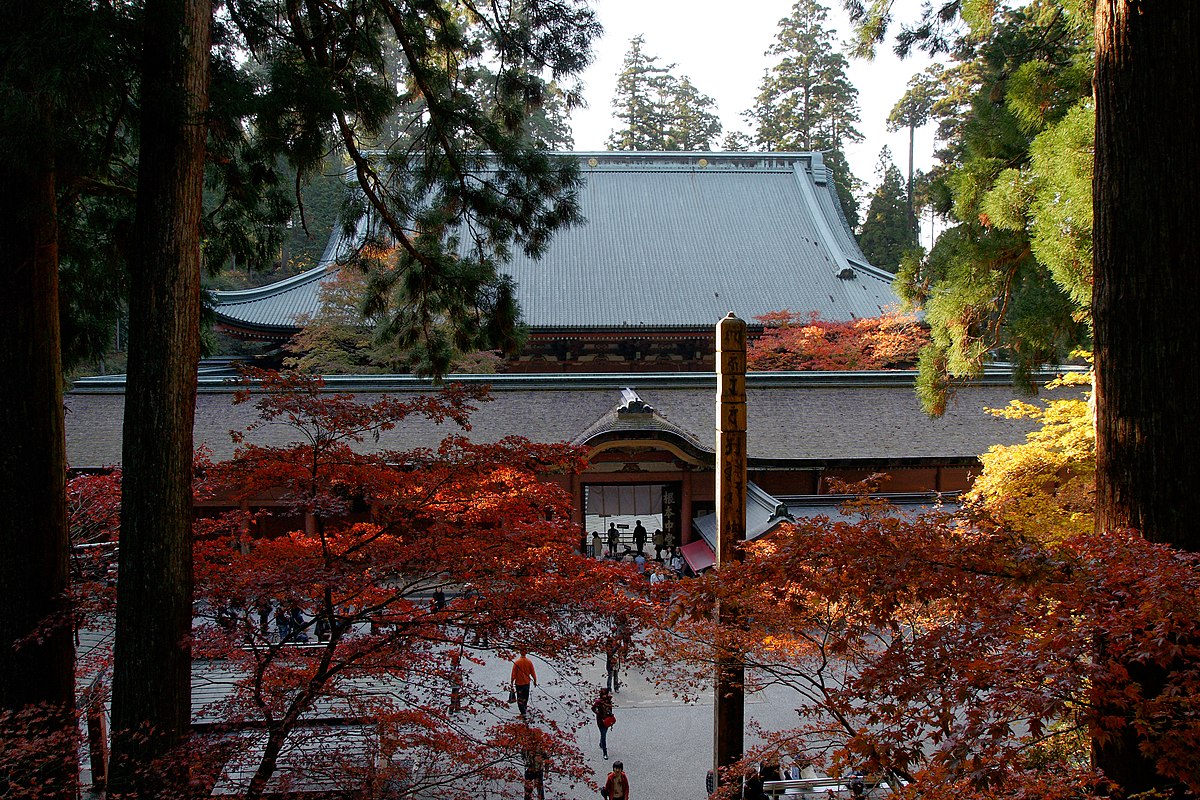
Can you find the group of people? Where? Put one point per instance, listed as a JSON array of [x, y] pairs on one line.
[[663, 543], [522, 678]]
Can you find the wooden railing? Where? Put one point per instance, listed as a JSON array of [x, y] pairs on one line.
[[823, 788]]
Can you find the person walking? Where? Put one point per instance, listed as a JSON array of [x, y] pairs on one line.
[[522, 673], [602, 707], [660, 541], [535, 773], [612, 663], [617, 785], [614, 536], [752, 786], [639, 535], [597, 545]]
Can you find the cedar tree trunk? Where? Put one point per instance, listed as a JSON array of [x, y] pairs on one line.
[[1147, 292], [37, 649], [152, 670]]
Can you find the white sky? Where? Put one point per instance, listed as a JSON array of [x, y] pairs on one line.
[[722, 50]]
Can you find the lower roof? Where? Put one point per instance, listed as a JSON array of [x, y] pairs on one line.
[[795, 420]]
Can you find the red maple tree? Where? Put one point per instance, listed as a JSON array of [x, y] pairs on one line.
[[954, 658], [792, 341], [368, 684]]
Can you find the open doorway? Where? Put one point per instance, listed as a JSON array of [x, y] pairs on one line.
[[655, 505]]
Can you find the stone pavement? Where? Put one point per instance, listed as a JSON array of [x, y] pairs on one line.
[[665, 743]]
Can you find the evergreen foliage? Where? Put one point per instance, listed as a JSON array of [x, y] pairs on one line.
[[887, 234], [806, 101], [912, 111], [1011, 279], [462, 181], [659, 111]]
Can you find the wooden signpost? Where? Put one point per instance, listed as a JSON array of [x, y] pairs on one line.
[[729, 709]]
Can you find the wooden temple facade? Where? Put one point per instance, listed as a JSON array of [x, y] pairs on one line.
[[649, 438]]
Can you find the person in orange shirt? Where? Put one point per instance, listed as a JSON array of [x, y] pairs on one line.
[[522, 674]]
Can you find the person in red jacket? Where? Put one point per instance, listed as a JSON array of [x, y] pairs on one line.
[[617, 785], [603, 709]]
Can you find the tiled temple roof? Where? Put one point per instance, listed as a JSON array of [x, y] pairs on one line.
[[672, 240]]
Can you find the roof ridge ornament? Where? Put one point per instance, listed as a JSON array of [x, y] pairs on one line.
[[631, 403]]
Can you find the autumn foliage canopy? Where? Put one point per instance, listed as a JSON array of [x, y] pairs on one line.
[[967, 653], [368, 682], [792, 341]]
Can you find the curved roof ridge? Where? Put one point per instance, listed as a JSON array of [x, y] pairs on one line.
[[643, 419], [229, 296]]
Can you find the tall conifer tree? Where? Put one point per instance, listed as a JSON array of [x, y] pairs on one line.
[[659, 111], [806, 100], [324, 87], [887, 234], [692, 122], [638, 104], [1146, 246]]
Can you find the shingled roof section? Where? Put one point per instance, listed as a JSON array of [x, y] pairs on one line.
[[793, 418], [634, 416], [672, 240]]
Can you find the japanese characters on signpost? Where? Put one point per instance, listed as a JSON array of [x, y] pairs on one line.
[[729, 694]]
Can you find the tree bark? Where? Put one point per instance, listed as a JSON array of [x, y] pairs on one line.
[[1147, 287], [37, 651], [152, 672]]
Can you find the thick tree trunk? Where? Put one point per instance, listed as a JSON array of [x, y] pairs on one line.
[[152, 672], [37, 653], [1147, 290]]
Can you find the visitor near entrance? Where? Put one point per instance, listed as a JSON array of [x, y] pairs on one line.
[[597, 545], [617, 785], [639, 535], [602, 707], [522, 674], [613, 537], [660, 541]]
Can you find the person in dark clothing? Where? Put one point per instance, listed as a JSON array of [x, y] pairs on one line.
[[535, 771], [752, 787], [439, 599], [612, 664], [614, 536], [639, 535], [297, 625], [283, 623], [264, 616], [603, 709]]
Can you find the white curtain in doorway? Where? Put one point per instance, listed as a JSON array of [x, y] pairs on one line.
[[615, 501]]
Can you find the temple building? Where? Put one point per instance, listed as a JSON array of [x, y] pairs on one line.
[[672, 243], [621, 312], [649, 439]]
